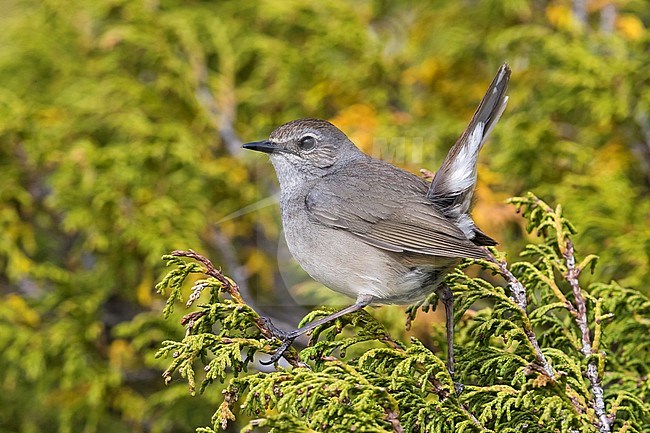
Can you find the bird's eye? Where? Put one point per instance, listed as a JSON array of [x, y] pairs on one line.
[[307, 143]]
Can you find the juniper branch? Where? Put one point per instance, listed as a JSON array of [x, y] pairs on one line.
[[519, 298], [567, 388], [230, 287], [579, 313], [579, 310]]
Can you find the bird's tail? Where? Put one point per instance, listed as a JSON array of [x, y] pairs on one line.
[[453, 185]]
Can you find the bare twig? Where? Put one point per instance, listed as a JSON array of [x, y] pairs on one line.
[[572, 275], [519, 298], [221, 108], [579, 10], [580, 313], [642, 148], [216, 239], [427, 174], [392, 418], [608, 15], [516, 288], [226, 283]]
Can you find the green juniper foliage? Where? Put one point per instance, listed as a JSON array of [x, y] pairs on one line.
[[542, 353]]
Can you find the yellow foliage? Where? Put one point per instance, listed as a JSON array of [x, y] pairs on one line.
[[630, 27], [426, 72], [229, 227], [120, 354], [145, 289], [23, 312], [560, 16], [359, 121], [21, 264], [490, 212], [52, 115], [541, 381], [611, 159], [258, 264]]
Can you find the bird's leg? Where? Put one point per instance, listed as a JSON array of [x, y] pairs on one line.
[[447, 298], [289, 337]]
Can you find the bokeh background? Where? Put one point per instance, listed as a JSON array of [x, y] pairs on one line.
[[120, 130]]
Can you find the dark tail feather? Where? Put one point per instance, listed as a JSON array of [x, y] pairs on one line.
[[453, 185], [482, 239]]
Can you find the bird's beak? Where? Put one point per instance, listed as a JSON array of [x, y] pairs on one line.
[[261, 146]]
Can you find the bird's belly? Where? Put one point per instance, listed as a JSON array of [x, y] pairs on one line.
[[348, 265]]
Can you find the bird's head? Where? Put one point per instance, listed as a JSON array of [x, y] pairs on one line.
[[311, 146]]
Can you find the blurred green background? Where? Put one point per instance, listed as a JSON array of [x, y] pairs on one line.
[[120, 126]]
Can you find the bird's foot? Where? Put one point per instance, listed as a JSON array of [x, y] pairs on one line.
[[286, 337], [275, 331], [459, 388]]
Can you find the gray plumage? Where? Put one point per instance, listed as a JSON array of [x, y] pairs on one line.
[[368, 229]]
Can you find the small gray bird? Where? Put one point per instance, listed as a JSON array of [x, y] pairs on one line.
[[370, 230]]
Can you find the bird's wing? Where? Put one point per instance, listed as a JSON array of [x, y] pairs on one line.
[[393, 216]]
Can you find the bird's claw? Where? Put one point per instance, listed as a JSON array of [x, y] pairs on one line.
[[275, 356], [286, 337], [275, 331]]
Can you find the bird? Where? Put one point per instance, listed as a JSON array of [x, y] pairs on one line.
[[370, 230]]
